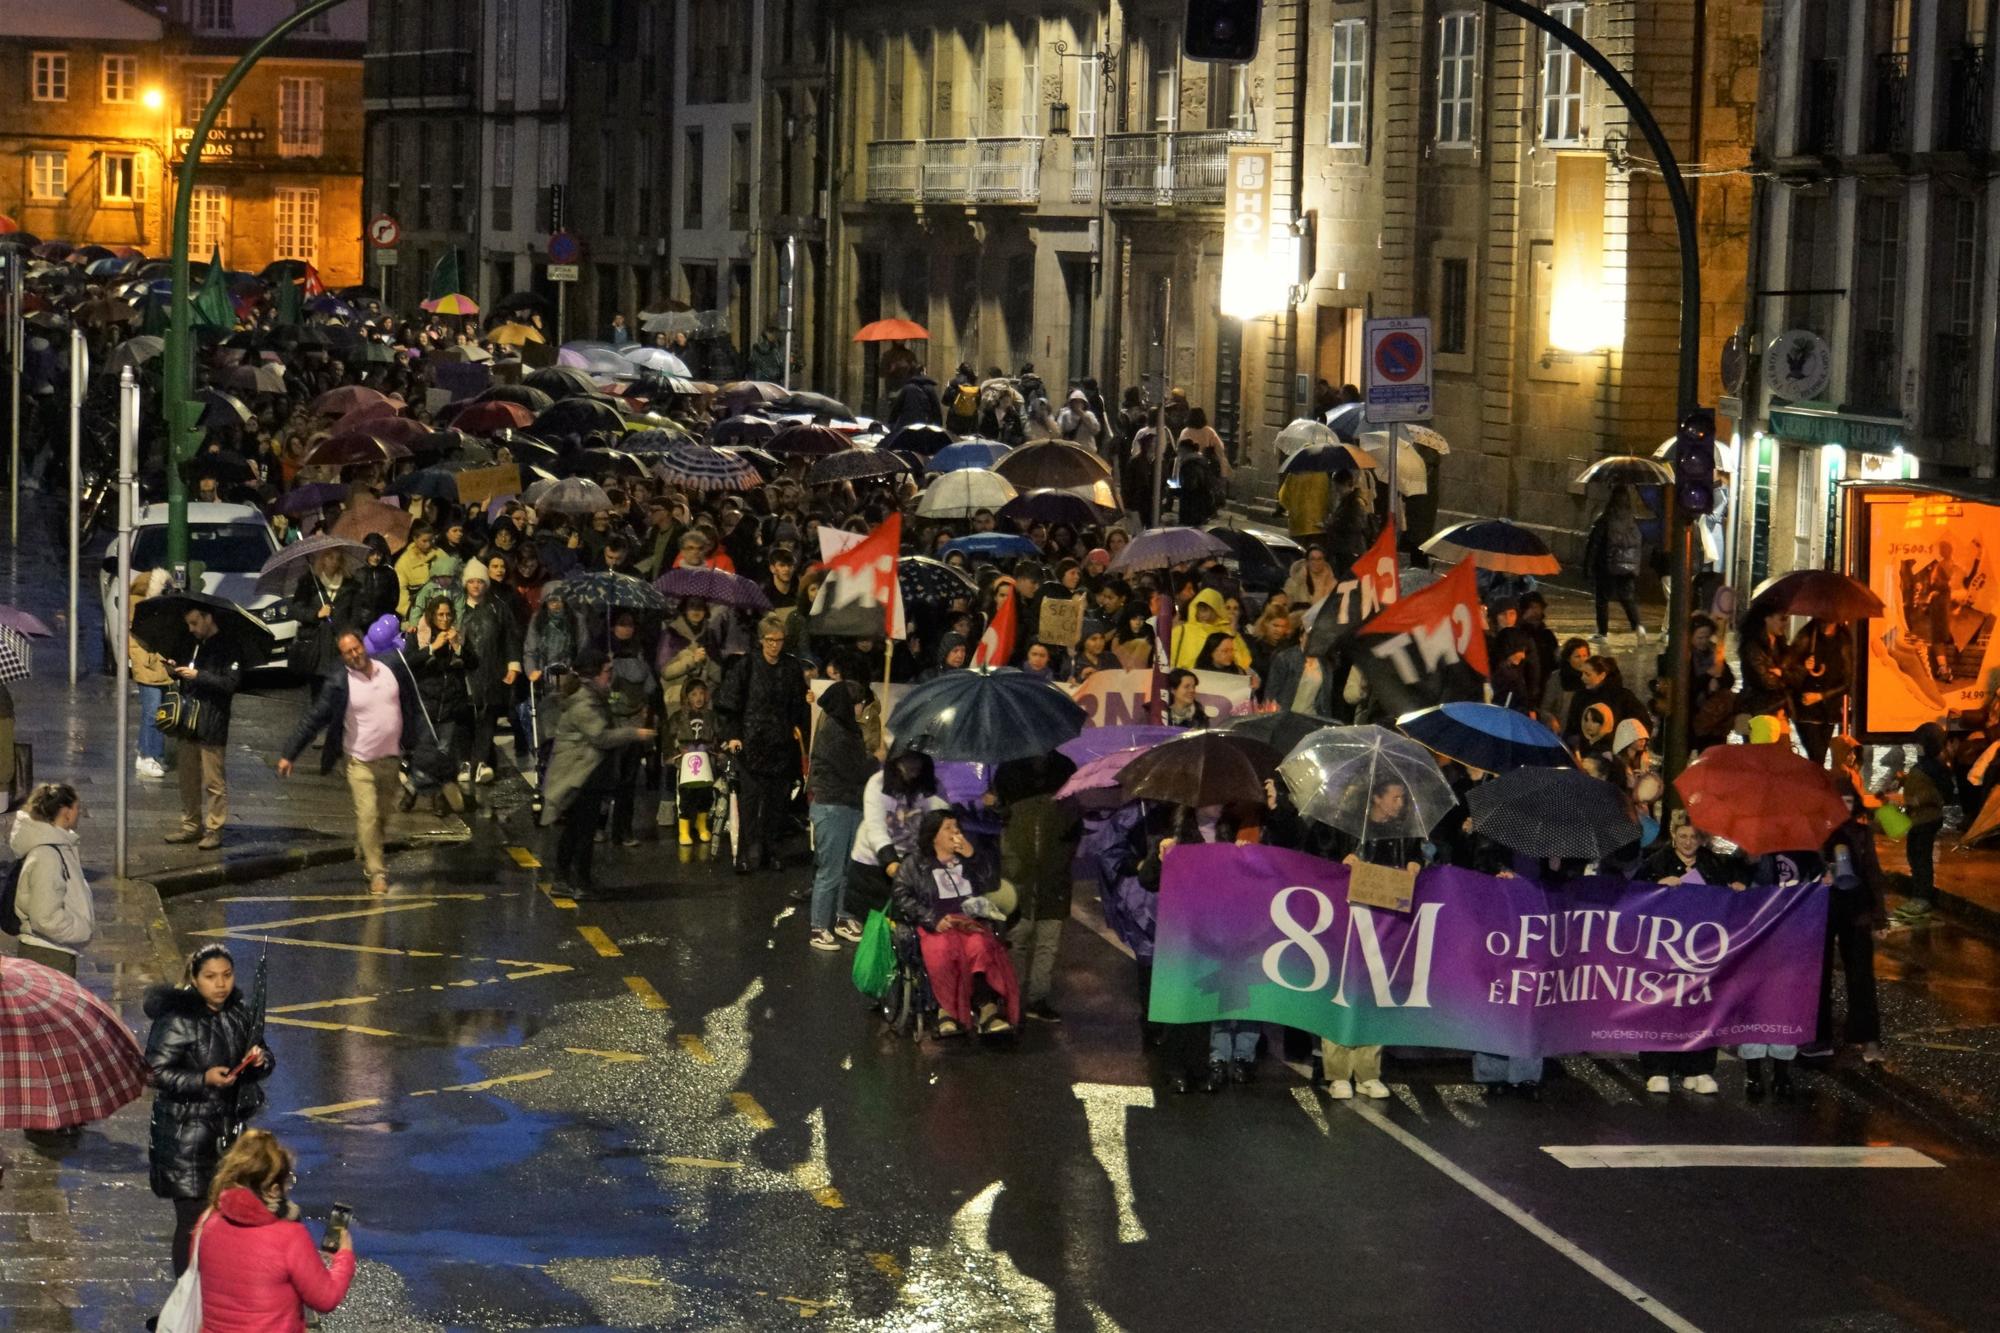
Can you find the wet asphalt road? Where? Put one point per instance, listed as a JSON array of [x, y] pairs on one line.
[[664, 1110]]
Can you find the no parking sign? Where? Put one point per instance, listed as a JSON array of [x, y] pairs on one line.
[[1399, 369]]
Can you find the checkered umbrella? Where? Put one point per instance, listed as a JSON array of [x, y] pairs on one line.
[[16, 659], [66, 1058]]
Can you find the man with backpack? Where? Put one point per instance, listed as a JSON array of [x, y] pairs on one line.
[[961, 401]]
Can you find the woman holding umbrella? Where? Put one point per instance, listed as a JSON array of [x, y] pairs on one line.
[[1611, 554], [209, 1068], [440, 662]]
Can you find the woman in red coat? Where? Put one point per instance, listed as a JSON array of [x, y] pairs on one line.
[[257, 1260]]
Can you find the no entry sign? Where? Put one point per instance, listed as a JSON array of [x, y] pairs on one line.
[[1399, 369]]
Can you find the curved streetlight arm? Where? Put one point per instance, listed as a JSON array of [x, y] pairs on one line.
[[179, 352], [1679, 527]]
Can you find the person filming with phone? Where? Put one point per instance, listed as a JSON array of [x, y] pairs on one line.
[[255, 1259]]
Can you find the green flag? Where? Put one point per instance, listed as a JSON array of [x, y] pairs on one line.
[[212, 307], [444, 277], [290, 302]]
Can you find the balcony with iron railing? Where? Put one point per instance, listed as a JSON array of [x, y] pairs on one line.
[[954, 171], [1875, 379], [1819, 128], [1949, 392], [1962, 126], [1178, 167], [427, 78], [1083, 171], [1889, 105]]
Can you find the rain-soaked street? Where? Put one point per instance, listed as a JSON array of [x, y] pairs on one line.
[[661, 1109]]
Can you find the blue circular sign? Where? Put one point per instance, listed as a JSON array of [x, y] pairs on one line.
[[563, 248], [1399, 357]]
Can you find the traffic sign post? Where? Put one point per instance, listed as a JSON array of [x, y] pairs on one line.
[[383, 233], [564, 252], [1399, 383]]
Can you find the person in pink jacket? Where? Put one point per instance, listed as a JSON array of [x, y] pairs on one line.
[[257, 1261]]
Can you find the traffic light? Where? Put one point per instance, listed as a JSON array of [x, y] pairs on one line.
[[1223, 30], [1694, 462]]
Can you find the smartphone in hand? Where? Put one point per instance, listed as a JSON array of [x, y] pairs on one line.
[[336, 1227]]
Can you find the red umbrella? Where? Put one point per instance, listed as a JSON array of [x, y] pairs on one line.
[[361, 415], [339, 402], [1763, 798], [8, 226], [374, 516], [1825, 593], [66, 1058], [806, 439], [891, 330], [351, 448], [493, 415]]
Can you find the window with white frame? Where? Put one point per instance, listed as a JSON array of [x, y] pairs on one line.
[[1458, 71], [48, 176], [320, 23], [201, 87], [215, 15], [121, 79], [1959, 214], [298, 224], [1089, 96], [1562, 78], [1347, 84], [301, 117], [121, 178], [49, 76], [208, 220], [1029, 37]]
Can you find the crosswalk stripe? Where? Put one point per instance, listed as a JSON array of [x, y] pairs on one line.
[[1657, 1155], [595, 937], [649, 997]]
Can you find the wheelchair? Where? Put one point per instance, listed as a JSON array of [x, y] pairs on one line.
[[909, 1007]]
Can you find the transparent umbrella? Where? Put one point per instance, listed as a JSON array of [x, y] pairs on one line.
[[1336, 775]]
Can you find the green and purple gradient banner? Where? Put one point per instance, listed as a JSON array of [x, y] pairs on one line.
[[1484, 964]]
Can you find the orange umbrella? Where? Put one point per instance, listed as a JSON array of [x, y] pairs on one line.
[[451, 304], [892, 330], [7, 225]]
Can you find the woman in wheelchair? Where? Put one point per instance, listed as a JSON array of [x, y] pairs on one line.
[[942, 890]]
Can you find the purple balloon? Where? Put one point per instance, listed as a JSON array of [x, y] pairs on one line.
[[385, 634]]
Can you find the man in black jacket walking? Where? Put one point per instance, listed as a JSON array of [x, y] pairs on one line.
[[764, 714], [208, 683]]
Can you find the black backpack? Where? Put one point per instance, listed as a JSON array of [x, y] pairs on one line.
[[10, 888]]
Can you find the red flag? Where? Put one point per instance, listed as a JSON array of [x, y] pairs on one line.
[[996, 645], [314, 287], [860, 597], [1377, 571], [1440, 625]]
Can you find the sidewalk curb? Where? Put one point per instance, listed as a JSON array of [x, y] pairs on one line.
[[267, 865]]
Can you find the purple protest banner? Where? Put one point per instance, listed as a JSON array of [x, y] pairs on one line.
[[1484, 964]]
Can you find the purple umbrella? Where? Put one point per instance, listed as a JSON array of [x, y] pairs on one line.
[[14, 618], [963, 783], [283, 569], [713, 586], [311, 497], [1163, 548], [1096, 742], [1095, 785]]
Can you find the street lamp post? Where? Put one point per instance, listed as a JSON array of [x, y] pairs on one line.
[[177, 388], [1680, 526]]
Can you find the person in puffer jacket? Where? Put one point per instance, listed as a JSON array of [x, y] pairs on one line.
[[201, 1032], [257, 1260], [52, 897]]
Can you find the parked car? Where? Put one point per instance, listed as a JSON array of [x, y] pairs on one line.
[[229, 542], [1263, 556]]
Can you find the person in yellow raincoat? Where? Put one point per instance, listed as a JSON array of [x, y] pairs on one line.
[[1206, 615]]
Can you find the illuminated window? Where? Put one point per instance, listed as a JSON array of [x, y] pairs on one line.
[[208, 220], [298, 224], [50, 75], [1562, 79], [121, 78], [1458, 68], [122, 179], [1347, 84], [48, 176], [301, 117], [201, 87]]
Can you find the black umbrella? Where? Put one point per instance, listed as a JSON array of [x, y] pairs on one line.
[[532, 302], [928, 582], [1052, 506], [1282, 730], [160, 624], [855, 465], [1551, 812], [527, 395], [1202, 768], [918, 437], [581, 416], [602, 590], [746, 429], [986, 717], [431, 483], [562, 382], [813, 404]]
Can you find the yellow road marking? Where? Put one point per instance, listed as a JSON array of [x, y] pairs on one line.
[[697, 1048], [596, 938], [351, 898], [828, 1197], [528, 970], [614, 1057], [338, 1107], [747, 1107], [336, 1027], [807, 1309], [886, 1265], [649, 997], [380, 909], [1945, 1046], [705, 1163], [524, 858], [486, 1084], [344, 1002], [328, 944], [566, 904]]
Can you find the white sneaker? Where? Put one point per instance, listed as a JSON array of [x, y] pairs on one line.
[[1660, 1083], [464, 774], [485, 773], [1644, 638], [1340, 1090], [1702, 1083], [150, 768], [1374, 1088], [1599, 641]]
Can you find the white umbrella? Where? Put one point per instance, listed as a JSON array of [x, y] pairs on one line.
[[1302, 433], [1412, 476], [1346, 420], [1427, 437], [963, 494], [658, 360]]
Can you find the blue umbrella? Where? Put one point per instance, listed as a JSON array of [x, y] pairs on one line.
[[985, 716], [1486, 736], [966, 454], [993, 545]]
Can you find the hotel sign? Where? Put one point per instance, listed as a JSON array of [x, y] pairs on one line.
[[224, 142]]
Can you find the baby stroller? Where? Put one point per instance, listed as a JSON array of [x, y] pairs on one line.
[[701, 790]]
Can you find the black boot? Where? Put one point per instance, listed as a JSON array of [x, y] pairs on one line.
[[1781, 1079], [1753, 1079]]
